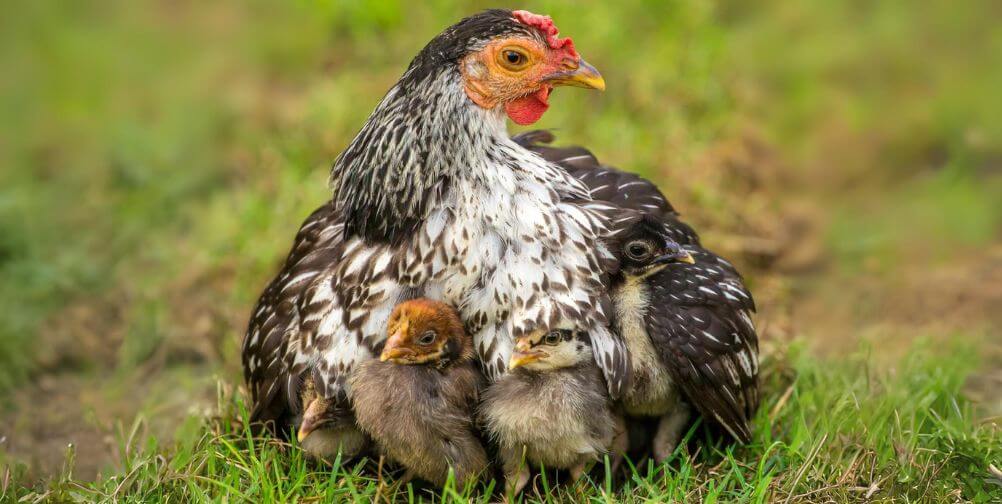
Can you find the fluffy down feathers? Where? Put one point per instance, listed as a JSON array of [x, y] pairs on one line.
[[422, 417], [563, 417]]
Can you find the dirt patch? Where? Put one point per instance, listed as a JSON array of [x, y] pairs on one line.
[[106, 361], [773, 220], [92, 416], [85, 334], [915, 300], [48, 421]]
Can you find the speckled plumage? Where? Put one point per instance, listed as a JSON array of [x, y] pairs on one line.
[[621, 189], [274, 389], [700, 323]]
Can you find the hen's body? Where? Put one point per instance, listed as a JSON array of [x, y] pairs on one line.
[[432, 198], [653, 391]]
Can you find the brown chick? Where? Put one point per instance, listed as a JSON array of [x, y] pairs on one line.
[[327, 428], [552, 409], [417, 401]]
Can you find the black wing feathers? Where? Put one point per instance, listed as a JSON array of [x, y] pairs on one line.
[[700, 323]]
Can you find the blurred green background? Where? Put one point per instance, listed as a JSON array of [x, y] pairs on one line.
[[157, 157]]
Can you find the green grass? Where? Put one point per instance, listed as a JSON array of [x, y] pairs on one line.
[[156, 158], [827, 431]]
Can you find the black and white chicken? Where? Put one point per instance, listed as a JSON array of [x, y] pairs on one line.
[[433, 198]]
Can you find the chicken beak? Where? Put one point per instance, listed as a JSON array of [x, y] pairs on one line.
[[519, 359], [524, 354], [312, 418], [681, 256], [578, 74], [394, 349], [395, 354]]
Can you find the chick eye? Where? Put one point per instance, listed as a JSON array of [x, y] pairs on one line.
[[513, 59], [552, 338], [639, 250], [427, 338]]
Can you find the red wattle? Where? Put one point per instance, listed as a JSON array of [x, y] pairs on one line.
[[529, 108]]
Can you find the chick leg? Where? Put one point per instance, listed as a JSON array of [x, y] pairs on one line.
[[515, 482], [578, 478], [516, 471], [669, 431], [402, 482], [620, 444]]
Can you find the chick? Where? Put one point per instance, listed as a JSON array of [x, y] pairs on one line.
[[327, 427], [644, 252], [552, 408], [417, 401], [684, 314]]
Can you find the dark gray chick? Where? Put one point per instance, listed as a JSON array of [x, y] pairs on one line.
[[418, 400]]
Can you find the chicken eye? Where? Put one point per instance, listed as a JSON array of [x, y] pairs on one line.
[[552, 338], [427, 338], [513, 59], [639, 250]]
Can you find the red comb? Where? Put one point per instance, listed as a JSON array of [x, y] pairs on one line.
[[545, 25]]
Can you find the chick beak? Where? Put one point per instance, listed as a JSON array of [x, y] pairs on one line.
[[524, 354], [312, 419], [679, 256], [578, 74], [519, 359], [394, 349]]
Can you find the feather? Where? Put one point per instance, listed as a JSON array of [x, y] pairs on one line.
[[613, 358], [706, 339]]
